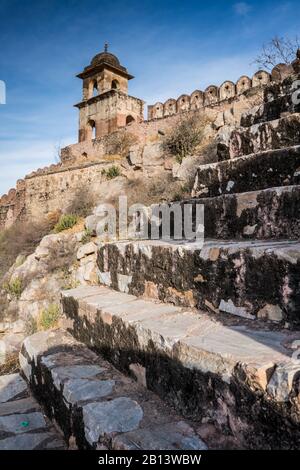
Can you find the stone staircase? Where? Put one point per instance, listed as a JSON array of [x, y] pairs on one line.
[[249, 263], [239, 377], [211, 329]]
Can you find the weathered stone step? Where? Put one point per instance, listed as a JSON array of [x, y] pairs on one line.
[[266, 214], [95, 405], [23, 425], [249, 173], [274, 107], [239, 378], [253, 279], [281, 133]]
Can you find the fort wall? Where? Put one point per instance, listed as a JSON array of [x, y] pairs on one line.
[[82, 164]]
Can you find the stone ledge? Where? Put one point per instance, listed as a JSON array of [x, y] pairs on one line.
[[271, 135], [253, 172], [236, 277], [208, 371], [266, 214]]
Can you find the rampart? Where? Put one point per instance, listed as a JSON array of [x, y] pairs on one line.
[[82, 164]]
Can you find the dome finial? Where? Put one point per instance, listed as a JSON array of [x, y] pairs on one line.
[[105, 46]]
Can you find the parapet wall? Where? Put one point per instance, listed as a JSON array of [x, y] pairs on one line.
[[213, 94]]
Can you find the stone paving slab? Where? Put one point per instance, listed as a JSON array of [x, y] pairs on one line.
[[158, 438], [23, 425], [189, 358], [11, 386], [93, 402], [38, 441], [24, 405]]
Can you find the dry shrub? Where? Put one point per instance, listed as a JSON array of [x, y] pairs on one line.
[[82, 202], [62, 255], [11, 365], [22, 238], [185, 137], [163, 188]]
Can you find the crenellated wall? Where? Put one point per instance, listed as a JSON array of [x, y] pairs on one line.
[[51, 188], [213, 95], [12, 205]]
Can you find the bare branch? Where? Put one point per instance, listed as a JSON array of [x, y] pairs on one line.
[[278, 50]]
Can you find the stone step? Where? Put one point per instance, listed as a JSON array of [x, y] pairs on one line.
[[95, 405], [249, 173], [270, 110], [239, 378], [23, 425], [252, 279], [271, 135], [266, 214]]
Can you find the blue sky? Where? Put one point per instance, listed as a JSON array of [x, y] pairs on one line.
[[171, 47]]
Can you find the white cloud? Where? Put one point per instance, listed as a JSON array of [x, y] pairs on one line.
[[242, 8]]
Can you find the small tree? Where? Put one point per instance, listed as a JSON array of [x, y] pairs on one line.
[[185, 137], [278, 50]]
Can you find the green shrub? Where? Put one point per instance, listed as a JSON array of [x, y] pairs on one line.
[[49, 317], [14, 287], [65, 222], [112, 172]]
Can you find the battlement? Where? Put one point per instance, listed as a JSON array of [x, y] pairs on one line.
[[213, 95]]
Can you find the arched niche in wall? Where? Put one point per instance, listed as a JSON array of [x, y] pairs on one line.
[[227, 90], [261, 78], [170, 107], [197, 99], [211, 95], [243, 84], [183, 103]]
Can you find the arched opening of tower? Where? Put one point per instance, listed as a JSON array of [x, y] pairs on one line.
[[115, 85], [95, 88], [92, 130]]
